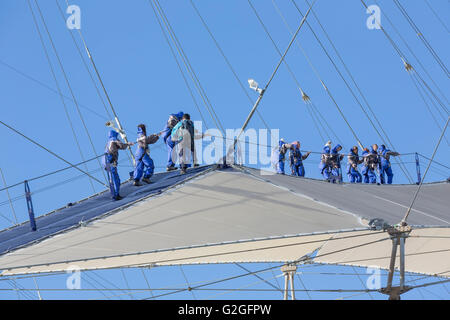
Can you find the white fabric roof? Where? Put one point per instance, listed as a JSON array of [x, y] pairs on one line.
[[224, 217]]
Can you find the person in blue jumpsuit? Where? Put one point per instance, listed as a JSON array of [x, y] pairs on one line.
[[174, 118], [335, 164], [354, 176], [296, 159], [144, 164], [325, 164], [283, 147], [109, 162], [385, 164], [370, 164]]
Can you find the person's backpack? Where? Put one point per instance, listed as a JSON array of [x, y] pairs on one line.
[[189, 126]]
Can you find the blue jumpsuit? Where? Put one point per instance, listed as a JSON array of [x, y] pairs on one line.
[[370, 165], [166, 137], [296, 159], [109, 162], [144, 164], [335, 160], [353, 174], [324, 165], [385, 165], [281, 157]]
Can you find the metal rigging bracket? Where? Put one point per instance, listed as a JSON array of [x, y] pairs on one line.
[[398, 234]]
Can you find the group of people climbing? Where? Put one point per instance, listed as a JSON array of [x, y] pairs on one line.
[[179, 136], [375, 163], [179, 130]]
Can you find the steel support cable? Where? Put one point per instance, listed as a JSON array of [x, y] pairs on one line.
[[314, 110], [321, 81], [304, 97], [6, 218], [126, 283], [187, 282], [443, 117], [243, 288], [94, 286], [188, 66], [410, 69], [430, 284], [9, 196], [58, 88], [228, 62], [433, 94], [261, 94], [313, 68], [313, 106], [260, 278], [334, 65], [439, 172], [370, 233], [265, 269], [116, 117], [402, 56], [324, 120], [437, 16], [70, 87], [178, 64], [315, 71], [422, 37], [442, 165], [303, 285], [427, 106], [165, 289], [315, 120], [46, 188], [394, 45], [415, 56], [186, 62], [362, 282], [146, 281], [425, 174], [441, 104], [149, 289], [84, 63], [52, 153], [100, 284], [42, 84], [405, 171], [208, 289], [49, 174], [400, 162], [310, 107], [19, 289]]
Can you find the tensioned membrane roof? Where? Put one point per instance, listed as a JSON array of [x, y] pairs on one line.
[[232, 215]]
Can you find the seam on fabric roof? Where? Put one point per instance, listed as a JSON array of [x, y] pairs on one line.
[[393, 202], [358, 217], [387, 269], [418, 211], [344, 184], [116, 210], [369, 233]]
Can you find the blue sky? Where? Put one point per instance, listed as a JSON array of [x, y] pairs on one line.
[[145, 85]]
